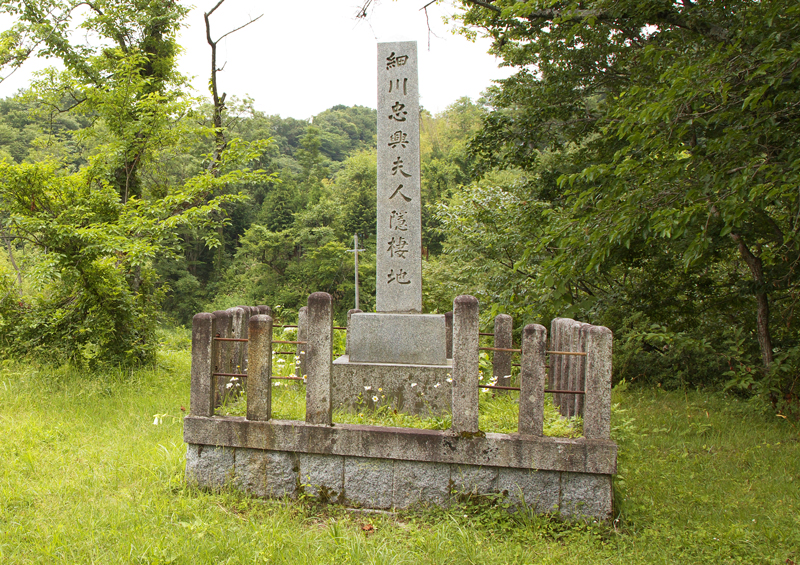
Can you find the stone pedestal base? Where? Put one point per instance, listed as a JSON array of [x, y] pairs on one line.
[[414, 389], [413, 339]]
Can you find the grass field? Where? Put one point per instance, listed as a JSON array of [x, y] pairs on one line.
[[91, 471]]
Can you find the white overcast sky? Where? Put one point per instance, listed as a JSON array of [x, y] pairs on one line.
[[303, 57]]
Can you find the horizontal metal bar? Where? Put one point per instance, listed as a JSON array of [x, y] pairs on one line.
[[567, 353], [500, 349], [284, 353], [484, 333], [229, 374], [291, 342], [339, 328], [280, 326], [546, 390], [229, 339], [286, 378]]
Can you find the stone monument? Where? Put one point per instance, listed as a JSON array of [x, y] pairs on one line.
[[398, 346]]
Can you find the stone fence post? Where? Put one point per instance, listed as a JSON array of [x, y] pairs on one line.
[[501, 360], [223, 353], [259, 384], [319, 359], [302, 335], [448, 333], [241, 314], [465, 365], [597, 404], [577, 369], [532, 376], [201, 399]]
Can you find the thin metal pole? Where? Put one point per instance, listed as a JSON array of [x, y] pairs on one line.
[[355, 247]]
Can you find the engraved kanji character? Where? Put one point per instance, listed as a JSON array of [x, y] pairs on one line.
[[397, 190], [397, 221], [398, 138], [398, 246], [395, 85], [401, 277], [391, 60], [398, 113], [397, 166]]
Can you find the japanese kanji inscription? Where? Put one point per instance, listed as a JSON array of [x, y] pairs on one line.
[[399, 261]]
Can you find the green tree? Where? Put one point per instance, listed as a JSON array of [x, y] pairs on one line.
[[99, 227], [684, 118]]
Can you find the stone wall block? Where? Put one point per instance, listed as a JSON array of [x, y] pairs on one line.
[[418, 483], [368, 482], [473, 479], [586, 496], [532, 380], [535, 489], [597, 402], [465, 365], [208, 466], [201, 402], [501, 360], [322, 475], [259, 373], [319, 358]]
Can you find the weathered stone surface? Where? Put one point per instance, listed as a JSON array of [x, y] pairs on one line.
[[368, 482], [410, 444], [250, 468], [597, 403], [420, 483], [501, 360], [239, 317], [465, 365], [416, 389], [321, 474], [349, 329], [399, 226], [259, 383], [319, 358], [281, 474], [209, 466], [224, 361], [538, 489], [532, 377], [201, 402], [584, 495], [472, 479], [417, 339]]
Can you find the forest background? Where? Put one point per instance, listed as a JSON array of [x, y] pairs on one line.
[[639, 171]]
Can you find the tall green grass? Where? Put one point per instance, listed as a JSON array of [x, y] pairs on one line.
[[91, 471]]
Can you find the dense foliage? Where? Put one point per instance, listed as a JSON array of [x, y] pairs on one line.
[[652, 173]]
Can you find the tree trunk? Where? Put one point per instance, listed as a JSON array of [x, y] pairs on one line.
[[762, 300]]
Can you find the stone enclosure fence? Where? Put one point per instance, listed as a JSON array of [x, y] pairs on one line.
[[384, 467]]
